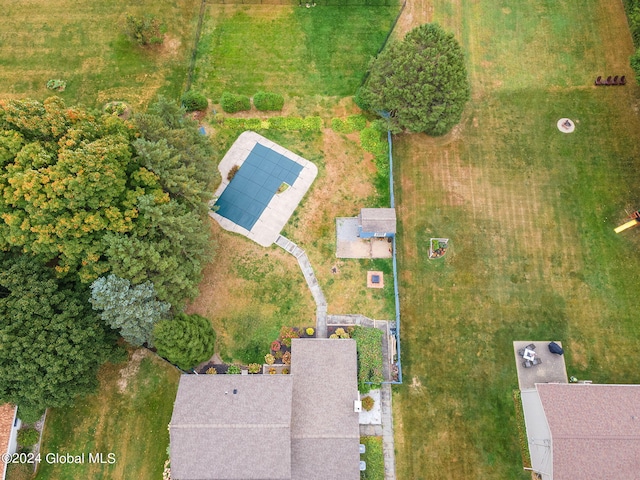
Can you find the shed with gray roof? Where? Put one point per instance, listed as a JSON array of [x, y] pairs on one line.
[[377, 222]]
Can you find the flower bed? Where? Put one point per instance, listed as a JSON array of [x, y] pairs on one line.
[[438, 247]]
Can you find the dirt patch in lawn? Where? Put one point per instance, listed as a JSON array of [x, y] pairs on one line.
[[130, 370]]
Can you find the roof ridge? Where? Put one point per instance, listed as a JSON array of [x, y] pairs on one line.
[[231, 425]]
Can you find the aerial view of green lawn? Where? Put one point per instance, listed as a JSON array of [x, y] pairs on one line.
[[530, 213], [529, 210], [85, 45]]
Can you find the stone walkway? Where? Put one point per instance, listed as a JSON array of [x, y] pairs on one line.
[[322, 318]]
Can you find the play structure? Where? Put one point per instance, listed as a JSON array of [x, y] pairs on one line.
[[633, 222]]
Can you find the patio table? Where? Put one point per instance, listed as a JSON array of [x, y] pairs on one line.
[[529, 354]]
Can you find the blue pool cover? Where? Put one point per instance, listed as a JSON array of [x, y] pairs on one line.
[[255, 184]]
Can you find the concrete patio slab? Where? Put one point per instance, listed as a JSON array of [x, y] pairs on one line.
[[552, 369], [274, 217], [349, 245]]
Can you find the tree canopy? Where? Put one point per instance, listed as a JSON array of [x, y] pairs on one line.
[[51, 343], [421, 82], [133, 310], [92, 193], [186, 340]]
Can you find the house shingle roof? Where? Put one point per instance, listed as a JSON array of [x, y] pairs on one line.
[[216, 433], [378, 220], [299, 426], [595, 430], [7, 417], [324, 429]]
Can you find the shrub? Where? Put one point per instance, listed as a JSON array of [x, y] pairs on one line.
[[185, 340], [254, 368], [333, 336], [234, 370], [211, 371], [146, 30], [267, 101], [269, 359], [367, 403], [372, 141], [56, 84], [310, 331], [193, 101], [30, 414], [353, 123], [278, 355], [115, 108], [232, 172], [232, 103], [341, 333], [272, 371], [28, 437], [275, 346], [285, 371], [286, 358], [286, 334]]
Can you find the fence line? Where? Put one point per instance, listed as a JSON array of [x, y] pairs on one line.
[[194, 54], [396, 330]]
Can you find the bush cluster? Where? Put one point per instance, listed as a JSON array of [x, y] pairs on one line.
[[234, 370], [284, 124], [28, 437], [194, 101], [30, 414], [146, 30], [367, 403], [232, 103], [353, 123], [373, 141], [268, 101], [56, 84]]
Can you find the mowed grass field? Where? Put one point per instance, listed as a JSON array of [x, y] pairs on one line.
[[128, 416], [294, 51], [84, 44], [530, 212]]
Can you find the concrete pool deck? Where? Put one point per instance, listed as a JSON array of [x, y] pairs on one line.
[[274, 217]]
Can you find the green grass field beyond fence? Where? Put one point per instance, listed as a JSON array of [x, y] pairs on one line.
[[84, 44], [294, 51], [127, 417], [530, 213]]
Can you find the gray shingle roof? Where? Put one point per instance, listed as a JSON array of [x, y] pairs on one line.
[[595, 430], [378, 220], [218, 434], [324, 429], [300, 426]]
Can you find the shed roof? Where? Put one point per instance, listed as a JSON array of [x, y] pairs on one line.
[[218, 434], [595, 430], [324, 427], [378, 220]]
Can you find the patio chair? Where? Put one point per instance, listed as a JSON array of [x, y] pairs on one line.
[[537, 361], [527, 364], [521, 352], [623, 80], [531, 346], [615, 80], [599, 80], [608, 80]]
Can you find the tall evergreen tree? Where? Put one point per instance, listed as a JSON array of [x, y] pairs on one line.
[[132, 310], [51, 343], [421, 82], [186, 340]]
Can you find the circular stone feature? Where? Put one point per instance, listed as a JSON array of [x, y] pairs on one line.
[[565, 125]]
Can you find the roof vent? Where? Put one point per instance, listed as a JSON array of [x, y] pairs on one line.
[[357, 406], [235, 391]]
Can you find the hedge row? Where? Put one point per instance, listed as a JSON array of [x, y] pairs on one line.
[[232, 103], [286, 124], [353, 123], [268, 101], [373, 140]]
